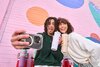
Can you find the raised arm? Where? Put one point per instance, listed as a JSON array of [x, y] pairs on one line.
[[16, 37]]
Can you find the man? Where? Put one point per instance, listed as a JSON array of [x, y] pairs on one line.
[[45, 57]]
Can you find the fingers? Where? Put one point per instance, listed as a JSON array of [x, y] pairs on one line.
[[16, 37], [60, 40], [20, 45], [19, 37], [17, 32]]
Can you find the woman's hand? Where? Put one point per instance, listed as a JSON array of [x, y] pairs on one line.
[[60, 40]]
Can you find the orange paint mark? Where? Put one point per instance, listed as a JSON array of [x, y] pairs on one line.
[[94, 35], [37, 15]]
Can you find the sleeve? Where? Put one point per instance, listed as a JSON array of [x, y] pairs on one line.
[[57, 54], [89, 46], [64, 47]]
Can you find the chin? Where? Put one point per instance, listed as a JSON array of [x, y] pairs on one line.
[[63, 32]]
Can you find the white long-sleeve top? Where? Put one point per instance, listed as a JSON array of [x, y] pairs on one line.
[[82, 50]]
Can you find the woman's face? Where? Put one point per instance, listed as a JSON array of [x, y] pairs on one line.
[[63, 27]]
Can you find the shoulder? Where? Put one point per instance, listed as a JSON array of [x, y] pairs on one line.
[[75, 35]]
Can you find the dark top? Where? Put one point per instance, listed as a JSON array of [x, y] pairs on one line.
[[46, 56]]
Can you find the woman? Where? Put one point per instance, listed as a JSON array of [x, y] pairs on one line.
[[83, 51]]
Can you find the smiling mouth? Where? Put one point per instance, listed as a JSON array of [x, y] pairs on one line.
[[62, 29]]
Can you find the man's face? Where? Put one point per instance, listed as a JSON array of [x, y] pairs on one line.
[[51, 27]]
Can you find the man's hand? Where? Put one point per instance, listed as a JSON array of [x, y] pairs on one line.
[[16, 39]]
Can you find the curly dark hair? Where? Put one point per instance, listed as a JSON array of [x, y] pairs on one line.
[[65, 21]]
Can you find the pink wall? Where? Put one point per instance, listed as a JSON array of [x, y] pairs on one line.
[[80, 18], [3, 6], [7, 53]]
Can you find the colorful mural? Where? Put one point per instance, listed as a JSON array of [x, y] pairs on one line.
[[71, 3], [95, 12], [30, 15]]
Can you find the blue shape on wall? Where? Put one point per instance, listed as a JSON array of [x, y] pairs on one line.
[[71, 3], [93, 39], [95, 12]]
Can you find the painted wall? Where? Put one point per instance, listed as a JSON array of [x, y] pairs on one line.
[[84, 15]]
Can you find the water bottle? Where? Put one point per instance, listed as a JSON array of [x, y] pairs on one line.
[[55, 41]]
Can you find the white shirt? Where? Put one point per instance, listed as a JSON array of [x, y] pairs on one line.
[[83, 50]]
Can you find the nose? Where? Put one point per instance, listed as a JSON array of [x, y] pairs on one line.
[[62, 25], [51, 25]]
